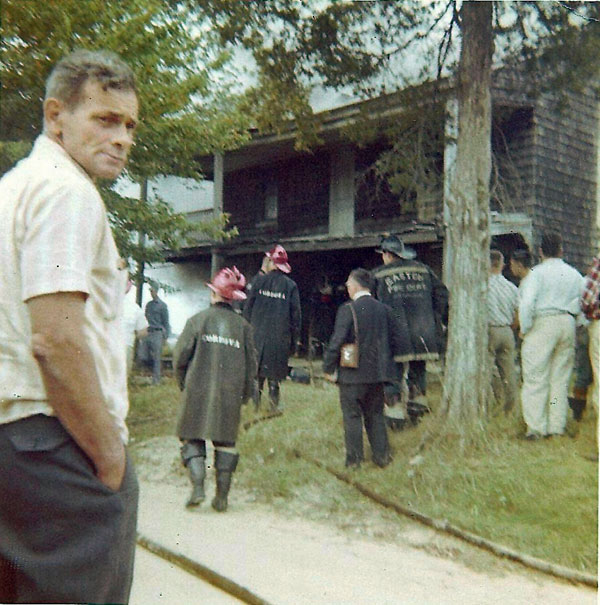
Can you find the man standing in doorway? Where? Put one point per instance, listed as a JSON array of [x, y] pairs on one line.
[[502, 300], [548, 305], [159, 330], [273, 309], [420, 303], [69, 495]]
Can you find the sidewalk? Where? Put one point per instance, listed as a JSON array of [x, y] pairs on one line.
[[296, 562]]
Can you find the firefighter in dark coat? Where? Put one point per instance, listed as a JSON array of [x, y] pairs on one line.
[[273, 309], [215, 365], [420, 302]]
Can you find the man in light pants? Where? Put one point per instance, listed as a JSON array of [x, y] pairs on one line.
[[547, 309], [502, 300]]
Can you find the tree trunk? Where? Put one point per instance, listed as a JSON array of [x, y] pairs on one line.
[[467, 380]]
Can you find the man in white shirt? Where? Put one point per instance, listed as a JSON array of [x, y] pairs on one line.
[[502, 299], [69, 494], [548, 305], [135, 324]]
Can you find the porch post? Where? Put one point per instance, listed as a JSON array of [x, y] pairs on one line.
[[217, 260], [341, 191], [451, 136]]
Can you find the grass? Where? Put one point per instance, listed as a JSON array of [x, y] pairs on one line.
[[537, 497]]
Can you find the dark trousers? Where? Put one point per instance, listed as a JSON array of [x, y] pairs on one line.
[[364, 403], [155, 341], [64, 536], [273, 390], [417, 378]]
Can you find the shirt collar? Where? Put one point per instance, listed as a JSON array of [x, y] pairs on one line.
[[46, 146], [360, 294]]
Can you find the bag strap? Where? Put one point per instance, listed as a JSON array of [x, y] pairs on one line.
[[355, 323]]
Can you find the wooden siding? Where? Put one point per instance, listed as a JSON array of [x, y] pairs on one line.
[[565, 179], [558, 160], [513, 159]]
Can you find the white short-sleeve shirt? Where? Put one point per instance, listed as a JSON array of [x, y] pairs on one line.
[[55, 237], [134, 319]]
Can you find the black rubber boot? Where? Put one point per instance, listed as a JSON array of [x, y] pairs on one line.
[[257, 392], [197, 472], [274, 395], [193, 456], [577, 405], [225, 465]]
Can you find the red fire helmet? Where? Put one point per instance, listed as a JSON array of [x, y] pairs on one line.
[[229, 283], [280, 259]]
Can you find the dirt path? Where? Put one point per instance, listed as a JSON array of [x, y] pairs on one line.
[[284, 558]]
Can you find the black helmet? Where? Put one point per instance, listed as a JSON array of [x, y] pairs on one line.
[[393, 244]]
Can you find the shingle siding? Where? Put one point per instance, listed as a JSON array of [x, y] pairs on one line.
[[566, 172]]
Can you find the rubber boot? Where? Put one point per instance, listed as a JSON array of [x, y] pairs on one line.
[[225, 465], [256, 393], [395, 413], [274, 395], [577, 405], [197, 472]]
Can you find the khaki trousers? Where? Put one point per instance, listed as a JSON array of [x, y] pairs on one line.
[[547, 356], [502, 350]]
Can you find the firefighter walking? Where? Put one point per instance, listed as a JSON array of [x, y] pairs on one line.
[[215, 365]]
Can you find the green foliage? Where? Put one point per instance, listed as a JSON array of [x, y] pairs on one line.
[[175, 65], [558, 42], [298, 44], [11, 152]]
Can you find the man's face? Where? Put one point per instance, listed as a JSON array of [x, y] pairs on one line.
[[98, 132]]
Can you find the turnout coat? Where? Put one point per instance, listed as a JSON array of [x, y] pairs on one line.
[[215, 365], [379, 340], [420, 303], [273, 309]]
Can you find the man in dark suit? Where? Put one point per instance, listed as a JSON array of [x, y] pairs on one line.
[[361, 389]]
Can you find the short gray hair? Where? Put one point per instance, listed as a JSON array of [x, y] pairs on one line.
[[71, 73]]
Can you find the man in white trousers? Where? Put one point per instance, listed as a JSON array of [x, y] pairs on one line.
[[547, 309]]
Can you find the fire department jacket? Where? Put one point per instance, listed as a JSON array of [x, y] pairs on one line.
[[420, 302], [273, 309], [215, 365]]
